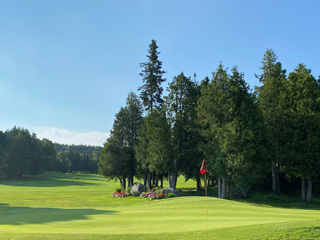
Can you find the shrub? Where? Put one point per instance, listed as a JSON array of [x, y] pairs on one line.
[[170, 195], [119, 190], [129, 189]]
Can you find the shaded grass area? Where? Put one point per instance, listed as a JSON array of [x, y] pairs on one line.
[[79, 206], [280, 201], [28, 215], [52, 180]]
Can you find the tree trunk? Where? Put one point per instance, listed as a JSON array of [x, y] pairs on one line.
[[145, 180], [131, 180], [227, 188], [219, 187], [303, 190], [153, 179], [223, 192], [157, 182], [149, 180], [161, 181], [172, 178], [175, 180], [275, 178], [123, 184], [198, 183], [309, 191]]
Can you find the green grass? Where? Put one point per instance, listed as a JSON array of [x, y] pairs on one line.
[[67, 206]]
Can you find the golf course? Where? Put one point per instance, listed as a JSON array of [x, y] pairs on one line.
[[80, 206]]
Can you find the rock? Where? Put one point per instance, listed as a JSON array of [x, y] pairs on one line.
[[145, 194], [137, 189], [170, 190], [240, 193]]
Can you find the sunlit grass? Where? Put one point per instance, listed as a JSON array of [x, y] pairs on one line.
[[67, 206]]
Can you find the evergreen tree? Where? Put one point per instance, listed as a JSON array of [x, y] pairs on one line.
[[122, 141], [273, 78], [134, 121], [180, 104], [234, 132], [154, 150], [115, 161], [302, 98], [151, 74], [19, 153], [48, 154]]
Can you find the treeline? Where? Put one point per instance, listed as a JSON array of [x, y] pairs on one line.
[[77, 158], [22, 153], [264, 140]]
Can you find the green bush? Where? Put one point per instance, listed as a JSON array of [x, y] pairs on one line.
[[170, 195], [128, 190], [118, 190]]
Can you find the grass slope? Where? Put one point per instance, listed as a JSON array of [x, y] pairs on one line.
[[67, 206]]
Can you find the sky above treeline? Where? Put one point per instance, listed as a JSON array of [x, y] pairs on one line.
[[66, 67]]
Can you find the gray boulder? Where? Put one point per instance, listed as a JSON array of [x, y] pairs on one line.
[[170, 190], [137, 189]]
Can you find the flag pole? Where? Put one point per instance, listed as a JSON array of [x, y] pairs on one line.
[[203, 170], [206, 185]]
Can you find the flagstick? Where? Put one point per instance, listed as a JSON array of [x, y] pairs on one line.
[[206, 185]]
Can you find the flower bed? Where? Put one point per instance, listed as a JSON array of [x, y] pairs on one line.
[[119, 194], [157, 196], [145, 194]]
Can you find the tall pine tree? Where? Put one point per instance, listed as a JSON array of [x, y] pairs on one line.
[[273, 78], [152, 76], [302, 100]]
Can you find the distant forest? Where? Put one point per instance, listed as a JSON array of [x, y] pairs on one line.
[[77, 158], [262, 139], [22, 153]]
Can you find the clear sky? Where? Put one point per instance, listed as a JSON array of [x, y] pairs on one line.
[[66, 67]]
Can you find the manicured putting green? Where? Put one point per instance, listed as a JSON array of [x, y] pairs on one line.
[[68, 206]]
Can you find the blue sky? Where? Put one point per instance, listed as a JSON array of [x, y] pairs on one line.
[[66, 67]]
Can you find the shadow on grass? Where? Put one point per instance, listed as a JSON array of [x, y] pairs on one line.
[[280, 201], [260, 199], [53, 180], [27, 215], [185, 192]]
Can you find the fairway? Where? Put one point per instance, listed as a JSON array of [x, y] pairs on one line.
[[78, 206]]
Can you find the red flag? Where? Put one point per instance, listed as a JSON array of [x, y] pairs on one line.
[[203, 167]]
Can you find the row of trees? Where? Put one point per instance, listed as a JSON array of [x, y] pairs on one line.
[[164, 143], [77, 158], [243, 135], [23, 153], [291, 110]]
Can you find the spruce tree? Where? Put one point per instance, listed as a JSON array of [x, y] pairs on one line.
[[152, 76], [235, 137], [302, 98], [181, 103], [273, 78]]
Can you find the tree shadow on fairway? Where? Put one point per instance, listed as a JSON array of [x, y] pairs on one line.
[[260, 200], [187, 192], [27, 215], [280, 201], [52, 180]]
